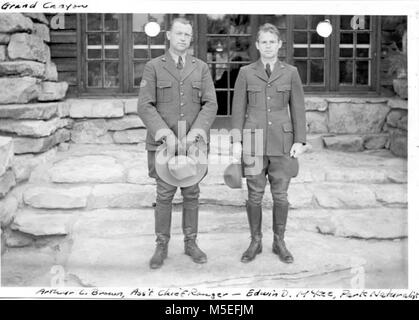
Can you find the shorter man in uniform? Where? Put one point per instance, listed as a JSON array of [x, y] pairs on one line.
[[268, 99]]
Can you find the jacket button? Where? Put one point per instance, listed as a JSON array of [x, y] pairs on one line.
[[269, 85], [269, 110], [182, 93], [181, 83], [269, 98], [181, 114], [269, 123], [182, 104]]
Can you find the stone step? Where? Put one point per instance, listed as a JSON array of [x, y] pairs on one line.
[[301, 195], [374, 223], [111, 166]]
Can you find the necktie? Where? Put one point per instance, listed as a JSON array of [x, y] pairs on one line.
[[180, 63], [268, 70]]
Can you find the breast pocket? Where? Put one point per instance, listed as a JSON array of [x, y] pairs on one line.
[[196, 91], [283, 92], [164, 91], [253, 94]]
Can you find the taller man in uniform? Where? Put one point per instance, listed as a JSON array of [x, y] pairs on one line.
[[268, 109], [176, 90]]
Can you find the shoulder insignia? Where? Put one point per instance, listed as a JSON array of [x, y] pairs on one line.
[[143, 83]]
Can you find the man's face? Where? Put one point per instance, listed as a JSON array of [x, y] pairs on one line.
[[180, 37], [268, 45]]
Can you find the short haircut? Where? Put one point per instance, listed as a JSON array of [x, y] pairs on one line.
[[268, 27], [180, 20]]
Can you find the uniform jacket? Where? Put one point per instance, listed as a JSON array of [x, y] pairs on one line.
[[168, 96], [275, 105]]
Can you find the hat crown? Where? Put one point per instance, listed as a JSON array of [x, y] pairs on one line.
[[182, 167]]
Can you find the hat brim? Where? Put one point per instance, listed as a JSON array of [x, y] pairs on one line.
[[233, 175], [162, 170]]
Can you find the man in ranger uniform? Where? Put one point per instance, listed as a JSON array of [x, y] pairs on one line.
[[176, 91], [268, 110]]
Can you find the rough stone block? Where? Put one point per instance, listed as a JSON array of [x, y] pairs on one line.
[[8, 208], [90, 108], [122, 196], [398, 144], [7, 182], [24, 164], [6, 154], [28, 47], [316, 122], [349, 118], [2, 53], [42, 31], [22, 68], [91, 131], [15, 22], [130, 136], [52, 91], [397, 103], [18, 90], [87, 169], [51, 73], [348, 143], [131, 106], [127, 122], [41, 224], [36, 111], [315, 104], [33, 128], [57, 198], [38, 145], [4, 38], [375, 141]]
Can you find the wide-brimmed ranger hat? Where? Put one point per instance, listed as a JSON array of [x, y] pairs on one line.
[[182, 170], [233, 175]]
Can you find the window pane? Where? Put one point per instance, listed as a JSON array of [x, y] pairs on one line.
[[362, 72], [138, 72], [94, 54], [228, 24], [222, 101], [302, 70], [346, 38], [345, 22], [363, 38], [345, 72], [140, 54], [317, 72], [300, 52], [112, 39], [222, 81], [94, 22], [239, 45], [317, 52], [138, 22], [94, 39], [346, 52], [94, 74], [361, 23], [278, 21], [300, 22], [300, 37], [315, 21], [316, 39], [159, 39], [157, 52], [111, 22], [217, 49], [363, 53], [140, 38], [159, 18], [111, 74], [111, 53]]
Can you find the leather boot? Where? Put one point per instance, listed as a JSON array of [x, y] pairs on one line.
[[162, 221], [190, 231], [280, 215], [254, 216]]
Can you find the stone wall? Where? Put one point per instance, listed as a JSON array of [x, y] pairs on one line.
[[358, 124], [33, 119]]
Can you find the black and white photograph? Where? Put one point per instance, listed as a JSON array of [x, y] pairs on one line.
[[203, 150]]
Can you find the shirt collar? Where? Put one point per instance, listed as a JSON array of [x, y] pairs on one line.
[[175, 57], [272, 64]]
